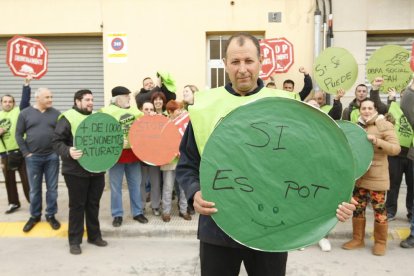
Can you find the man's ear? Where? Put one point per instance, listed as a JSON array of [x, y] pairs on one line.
[[261, 58]]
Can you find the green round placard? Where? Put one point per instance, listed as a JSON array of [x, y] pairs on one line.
[[392, 63], [335, 68], [101, 139], [276, 169], [362, 148]]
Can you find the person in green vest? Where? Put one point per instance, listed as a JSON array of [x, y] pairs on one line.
[[8, 120], [128, 164], [219, 253], [335, 110], [351, 113], [400, 165], [85, 189]]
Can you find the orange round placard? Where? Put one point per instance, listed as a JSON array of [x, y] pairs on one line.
[[154, 139]]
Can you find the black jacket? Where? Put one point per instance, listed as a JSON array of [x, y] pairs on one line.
[[187, 175], [145, 96]]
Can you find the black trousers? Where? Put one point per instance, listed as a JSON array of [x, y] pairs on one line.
[[11, 184], [397, 167], [84, 196], [218, 260]]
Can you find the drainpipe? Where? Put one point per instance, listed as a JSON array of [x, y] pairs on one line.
[[317, 34]]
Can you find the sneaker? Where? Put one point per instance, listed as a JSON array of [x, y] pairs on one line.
[[99, 242], [391, 217], [185, 216], [408, 243], [12, 208], [117, 222], [54, 223], [325, 245], [156, 212], [75, 249], [141, 218], [30, 224]]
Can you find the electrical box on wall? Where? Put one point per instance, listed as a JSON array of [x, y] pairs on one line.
[[275, 17]]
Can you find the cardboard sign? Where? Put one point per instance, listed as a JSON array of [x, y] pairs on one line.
[[182, 122], [101, 139], [277, 56], [335, 68], [273, 174], [27, 56], [392, 63], [154, 139]]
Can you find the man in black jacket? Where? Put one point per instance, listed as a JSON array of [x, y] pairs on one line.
[[85, 188], [219, 253], [144, 95]]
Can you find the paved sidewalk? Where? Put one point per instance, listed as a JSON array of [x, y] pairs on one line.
[[11, 225]]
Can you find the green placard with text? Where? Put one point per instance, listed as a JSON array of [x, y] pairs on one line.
[[335, 68], [276, 170], [101, 139], [392, 63]]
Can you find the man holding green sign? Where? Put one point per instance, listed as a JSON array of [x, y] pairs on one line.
[[85, 188], [219, 253]]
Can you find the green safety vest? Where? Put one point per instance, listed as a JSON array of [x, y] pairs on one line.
[[8, 121], [125, 116], [213, 105], [75, 119], [326, 108], [354, 115], [402, 126]]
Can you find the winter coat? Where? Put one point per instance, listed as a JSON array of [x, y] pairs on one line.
[[377, 176]]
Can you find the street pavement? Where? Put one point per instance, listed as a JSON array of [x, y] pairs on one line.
[[11, 225], [159, 248]]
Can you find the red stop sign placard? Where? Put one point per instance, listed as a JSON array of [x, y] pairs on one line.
[[182, 122], [412, 58], [268, 63], [282, 51], [154, 139], [26, 56]]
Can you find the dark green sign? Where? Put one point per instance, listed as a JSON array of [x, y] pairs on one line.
[[361, 147], [101, 139], [277, 169]]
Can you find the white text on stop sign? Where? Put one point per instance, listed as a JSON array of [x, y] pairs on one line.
[[26, 50]]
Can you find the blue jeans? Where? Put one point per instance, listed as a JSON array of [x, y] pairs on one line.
[[38, 165], [133, 176]]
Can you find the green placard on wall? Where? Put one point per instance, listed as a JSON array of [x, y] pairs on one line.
[[276, 170], [101, 139], [335, 68]]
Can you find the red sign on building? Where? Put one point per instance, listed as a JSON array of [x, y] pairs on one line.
[[412, 58], [26, 56], [282, 51]]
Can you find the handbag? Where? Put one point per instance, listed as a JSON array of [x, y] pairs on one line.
[[14, 160]]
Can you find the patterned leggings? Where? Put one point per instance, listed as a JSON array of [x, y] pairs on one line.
[[377, 201]]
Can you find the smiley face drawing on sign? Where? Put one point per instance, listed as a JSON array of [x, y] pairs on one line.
[[276, 170]]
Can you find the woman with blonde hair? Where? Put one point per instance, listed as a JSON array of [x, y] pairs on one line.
[[188, 95]]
